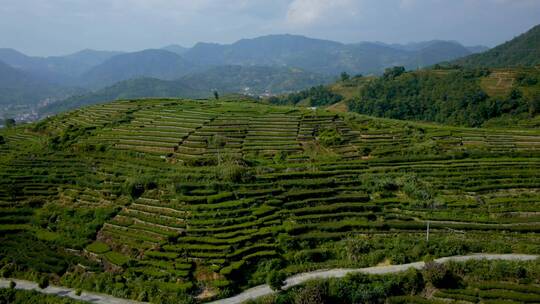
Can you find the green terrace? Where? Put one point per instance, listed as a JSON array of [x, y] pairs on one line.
[[202, 197]]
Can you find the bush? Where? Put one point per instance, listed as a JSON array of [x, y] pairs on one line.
[[312, 293], [276, 280], [439, 276], [43, 282], [12, 285]]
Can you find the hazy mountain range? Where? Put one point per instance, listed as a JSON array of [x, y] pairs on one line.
[[271, 64]]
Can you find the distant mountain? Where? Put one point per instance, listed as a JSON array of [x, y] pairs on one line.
[[323, 56], [57, 69], [253, 80], [436, 52], [20, 90], [523, 50], [159, 64], [175, 48]]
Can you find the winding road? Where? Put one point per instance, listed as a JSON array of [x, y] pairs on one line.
[[263, 290]]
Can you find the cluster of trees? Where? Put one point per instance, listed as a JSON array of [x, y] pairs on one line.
[[452, 97], [317, 96]]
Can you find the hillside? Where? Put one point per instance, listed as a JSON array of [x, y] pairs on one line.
[[523, 50], [165, 199], [467, 97]]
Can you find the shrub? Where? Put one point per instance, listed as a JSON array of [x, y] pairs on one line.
[[2, 140], [276, 280], [439, 276], [43, 282], [312, 293], [330, 138], [12, 285]]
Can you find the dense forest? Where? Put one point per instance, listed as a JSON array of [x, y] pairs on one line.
[[452, 96]]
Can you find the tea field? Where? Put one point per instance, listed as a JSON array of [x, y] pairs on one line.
[[193, 200]]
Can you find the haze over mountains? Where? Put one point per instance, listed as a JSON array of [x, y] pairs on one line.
[[268, 64]]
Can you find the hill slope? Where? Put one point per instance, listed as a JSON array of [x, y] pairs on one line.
[[523, 50], [166, 199]]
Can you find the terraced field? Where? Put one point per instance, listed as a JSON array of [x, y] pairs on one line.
[[174, 198]]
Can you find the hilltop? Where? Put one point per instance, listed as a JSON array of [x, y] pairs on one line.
[[167, 199], [523, 50]]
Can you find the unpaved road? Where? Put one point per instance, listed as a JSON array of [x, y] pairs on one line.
[[264, 290], [67, 292]]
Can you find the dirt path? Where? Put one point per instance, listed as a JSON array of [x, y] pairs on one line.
[[263, 290], [67, 292]]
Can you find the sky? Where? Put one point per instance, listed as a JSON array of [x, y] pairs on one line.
[[58, 27]]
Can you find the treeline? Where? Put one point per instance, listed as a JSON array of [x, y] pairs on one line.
[[445, 96], [316, 96]]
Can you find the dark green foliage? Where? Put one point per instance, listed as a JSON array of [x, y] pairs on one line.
[[216, 95], [330, 138], [2, 140], [76, 226], [12, 285], [43, 282], [453, 97], [394, 72], [439, 276], [344, 76], [276, 279], [316, 96], [9, 122]]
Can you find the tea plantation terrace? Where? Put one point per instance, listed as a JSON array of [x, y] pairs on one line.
[[207, 197]]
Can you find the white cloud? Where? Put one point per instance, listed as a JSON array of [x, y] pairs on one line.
[[308, 12]]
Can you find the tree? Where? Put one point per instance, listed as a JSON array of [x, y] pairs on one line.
[[2, 140], [276, 280], [216, 95], [391, 73], [344, 76], [9, 122]]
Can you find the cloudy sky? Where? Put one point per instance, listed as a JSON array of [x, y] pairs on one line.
[[54, 27]]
